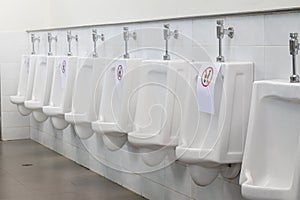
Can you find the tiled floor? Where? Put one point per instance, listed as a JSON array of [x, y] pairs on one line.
[[51, 176]]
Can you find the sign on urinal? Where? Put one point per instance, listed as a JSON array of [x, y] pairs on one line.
[[63, 73], [120, 68], [206, 81]]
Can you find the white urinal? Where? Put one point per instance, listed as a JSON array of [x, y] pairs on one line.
[[61, 90], [86, 95], [25, 83], [117, 104], [271, 163], [41, 87], [213, 142], [158, 109]]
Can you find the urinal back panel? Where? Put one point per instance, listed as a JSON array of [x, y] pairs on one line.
[[179, 71], [116, 96], [234, 112], [24, 74], [71, 73], [88, 86], [82, 88], [274, 132], [63, 82], [58, 85], [129, 98], [151, 114], [100, 65], [31, 73], [197, 126], [49, 79], [40, 79], [219, 137], [106, 100]]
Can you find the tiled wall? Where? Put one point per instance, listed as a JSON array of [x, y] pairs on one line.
[[262, 39], [13, 45]]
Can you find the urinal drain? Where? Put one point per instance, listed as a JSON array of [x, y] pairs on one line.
[[27, 165]]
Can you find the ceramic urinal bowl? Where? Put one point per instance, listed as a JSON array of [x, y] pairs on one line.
[[26, 77], [117, 104], [271, 163], [61, 90], [86, 95], [213, 142], [41, 87], [158, 110]]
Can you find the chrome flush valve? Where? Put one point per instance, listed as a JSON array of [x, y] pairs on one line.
[[33, 39], [96, 37], [294, 48], [167, 36], [70, 37], [50, 39], [221, 31], [126, 36]]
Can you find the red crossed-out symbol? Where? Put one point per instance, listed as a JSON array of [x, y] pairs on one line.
[[120, 72], [207, 76], [63, 67]]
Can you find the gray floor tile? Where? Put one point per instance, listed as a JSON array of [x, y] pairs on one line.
[[50, 176]]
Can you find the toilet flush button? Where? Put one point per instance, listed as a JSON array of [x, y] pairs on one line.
[[206, 81]]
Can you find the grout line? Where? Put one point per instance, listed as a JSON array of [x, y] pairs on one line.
[[207, 16]]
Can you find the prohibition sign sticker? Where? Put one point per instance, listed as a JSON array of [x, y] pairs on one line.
[[119, 72], [207, 76], [63, 67]]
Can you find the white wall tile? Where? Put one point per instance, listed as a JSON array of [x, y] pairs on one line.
[[278, 27], [152, 190], [253, 54], [204, 31], [174, 195], [9, 78], [97, 166], [114, 175], [248, 30], [133, 182], [10, 72], [178, 179], [15, 133], [14, 119], [7, 106], [8, 88], [277, 62]]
